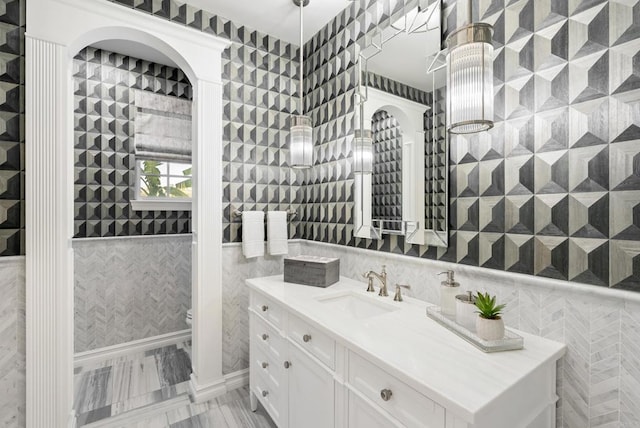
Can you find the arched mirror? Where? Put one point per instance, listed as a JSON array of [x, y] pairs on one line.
[[389, 150], [400, 144]]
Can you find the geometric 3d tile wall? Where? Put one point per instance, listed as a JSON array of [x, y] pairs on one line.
[[386, 179], [12, 27], [566, 94], [104, 113], [552, 187], [600, 116], [260, 94]]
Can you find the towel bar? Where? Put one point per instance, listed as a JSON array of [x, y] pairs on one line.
[[291, 214]]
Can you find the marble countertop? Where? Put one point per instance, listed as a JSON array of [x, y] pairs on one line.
[[415, 348]]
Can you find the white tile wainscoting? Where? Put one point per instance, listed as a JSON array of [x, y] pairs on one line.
[[598, 379], [235, 299], [12, 342], [130, 288]]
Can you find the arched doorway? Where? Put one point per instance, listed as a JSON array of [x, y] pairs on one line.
[[58, 29]]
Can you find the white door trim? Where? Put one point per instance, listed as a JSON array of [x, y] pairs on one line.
[[57, 30]]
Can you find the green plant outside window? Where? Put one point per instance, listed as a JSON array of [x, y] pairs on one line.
[[160, 179]]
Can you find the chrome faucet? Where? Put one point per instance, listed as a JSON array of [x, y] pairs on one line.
[[382, 277], [398, 295]]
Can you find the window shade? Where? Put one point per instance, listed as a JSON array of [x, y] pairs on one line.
[[162, 127]]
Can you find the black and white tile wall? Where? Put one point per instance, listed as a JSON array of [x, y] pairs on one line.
[[104, 113], [386, 179], [12, 28], [399, 89], [260, 94], [436, 164], [553, 190]]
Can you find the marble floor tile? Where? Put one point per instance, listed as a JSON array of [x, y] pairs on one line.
[[93, 415], [154, 422], [173, 367], [136, 402], [94, 390], [136, 383]]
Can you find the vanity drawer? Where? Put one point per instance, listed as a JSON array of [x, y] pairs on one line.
[[267, 309], [312, 340], [400, 400], [267, 367], [274, 400], [265, 338]]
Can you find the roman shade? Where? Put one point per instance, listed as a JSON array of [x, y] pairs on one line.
[[162, 127]]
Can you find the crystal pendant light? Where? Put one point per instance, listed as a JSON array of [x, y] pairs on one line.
[[301, 142], [470, 78]]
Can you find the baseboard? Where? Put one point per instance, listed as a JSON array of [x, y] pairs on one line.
[[237, 379], [130, 418], [201, 393], [101, 354]]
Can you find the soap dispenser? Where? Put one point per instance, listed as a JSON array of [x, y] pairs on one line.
[[448, 291]]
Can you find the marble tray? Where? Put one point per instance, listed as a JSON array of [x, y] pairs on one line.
[[510, 342]]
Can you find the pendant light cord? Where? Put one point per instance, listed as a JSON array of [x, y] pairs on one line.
[[301, 56], [470, 11]]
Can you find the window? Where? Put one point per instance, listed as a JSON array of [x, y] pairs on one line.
[[162, 185]]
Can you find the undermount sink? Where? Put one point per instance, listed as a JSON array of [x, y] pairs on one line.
[[353, 305]]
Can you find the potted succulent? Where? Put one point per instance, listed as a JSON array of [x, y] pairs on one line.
[[489, 324]]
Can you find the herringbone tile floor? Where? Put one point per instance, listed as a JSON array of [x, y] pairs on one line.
[[150, 389]]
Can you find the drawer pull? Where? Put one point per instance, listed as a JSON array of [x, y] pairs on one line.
[[265, 336], [265, 393], [386, 394], [306, 337], [287, 364], [264, 308], [265, 365]]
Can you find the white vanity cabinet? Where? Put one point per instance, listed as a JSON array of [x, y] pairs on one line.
[[314, 367], [289, 374], [311, 392]]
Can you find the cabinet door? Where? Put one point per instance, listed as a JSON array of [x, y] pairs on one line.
[[363, 415], [311, 392]]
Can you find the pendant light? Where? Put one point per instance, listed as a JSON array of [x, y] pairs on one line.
[[301, 142], [363, 151], [470, 78]]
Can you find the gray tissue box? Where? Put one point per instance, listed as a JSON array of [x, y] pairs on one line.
[[312, 270]]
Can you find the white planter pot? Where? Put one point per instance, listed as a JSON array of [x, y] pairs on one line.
[[489, 329]]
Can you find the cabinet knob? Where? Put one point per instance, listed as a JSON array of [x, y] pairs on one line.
[[265, 393], [265, 336], [265, 365], [264, 308], [386, 394], [306, 337], [287, 364]]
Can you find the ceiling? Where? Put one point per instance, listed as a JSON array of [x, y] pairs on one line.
[[279, 18], [135, 50], [403, 58]]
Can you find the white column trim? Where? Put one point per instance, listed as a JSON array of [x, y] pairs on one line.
[[49, 260], [207, 239]]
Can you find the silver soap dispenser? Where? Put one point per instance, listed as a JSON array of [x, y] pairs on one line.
[[448, 291]]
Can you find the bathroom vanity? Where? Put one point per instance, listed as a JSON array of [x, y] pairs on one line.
[[342, 357]]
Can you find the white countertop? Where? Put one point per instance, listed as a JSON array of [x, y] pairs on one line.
[[415, 348]]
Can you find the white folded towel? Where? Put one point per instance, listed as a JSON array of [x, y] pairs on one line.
[[277, 226], [253, 233]]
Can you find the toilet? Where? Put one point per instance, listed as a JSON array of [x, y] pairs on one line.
[[189, 316]]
